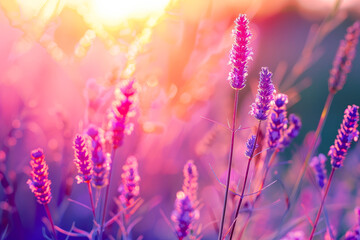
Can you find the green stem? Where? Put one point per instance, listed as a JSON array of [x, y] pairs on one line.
[[311, 151], [47, 210], [322, 204], [244, 184], [91, 199], [107, 193], [229, 165]]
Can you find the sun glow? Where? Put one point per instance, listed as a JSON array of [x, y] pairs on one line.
[[113, 12]]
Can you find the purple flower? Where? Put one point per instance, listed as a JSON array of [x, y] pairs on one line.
[[100, 159], [129, 189], [347, 132], [121, 110], [40, 183], [318, 166], [266, 89], [291, 132], [354, 233], [277, 120], [190, 185], [344, 56], [82, 160], [240, 53], [183, 215], [250, 146]]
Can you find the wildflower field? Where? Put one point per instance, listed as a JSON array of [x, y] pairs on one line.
[[179, 119]]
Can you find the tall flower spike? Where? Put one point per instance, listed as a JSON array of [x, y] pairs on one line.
[[344, 56], [240, 53], [250, 145], [277, 120], [121, 110], [82, 160], [100, 159], [40, 183], [318, 166], [291, 132], [266, 89], [190, 185], [183, 215], [129, 189], [347, 132], [354, 233]]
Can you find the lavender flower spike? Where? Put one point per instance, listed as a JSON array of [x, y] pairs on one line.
[[344, 56], [129, 189], [121, 111], [240, 53], [190, 185], [183, 215], [277, 120], [100, 159], [40, 183], [291, 132], [250, 145], [266, 89], [318, 166], [354, 233], [82, 160], [347, 132]]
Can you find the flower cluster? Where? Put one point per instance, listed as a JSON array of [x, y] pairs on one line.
[[318, 166], [40, 183], [277, 120], [354, 233], [183, 215], [344, 56], [129, 188], [347, 132], [100, 159], [186, 203], [190, 185], [291, 132], [250, 146], [240, 53], [82, 160], [122, 107], [261, 106]]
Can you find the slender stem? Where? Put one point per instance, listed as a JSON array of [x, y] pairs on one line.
[[311, 151], [322, 203], [107, 193], [245, 180], [47, 210], [272, 158], [230, 163], [313, 144], [91, 199]]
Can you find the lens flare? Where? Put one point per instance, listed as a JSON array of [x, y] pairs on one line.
[[113, 12]]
